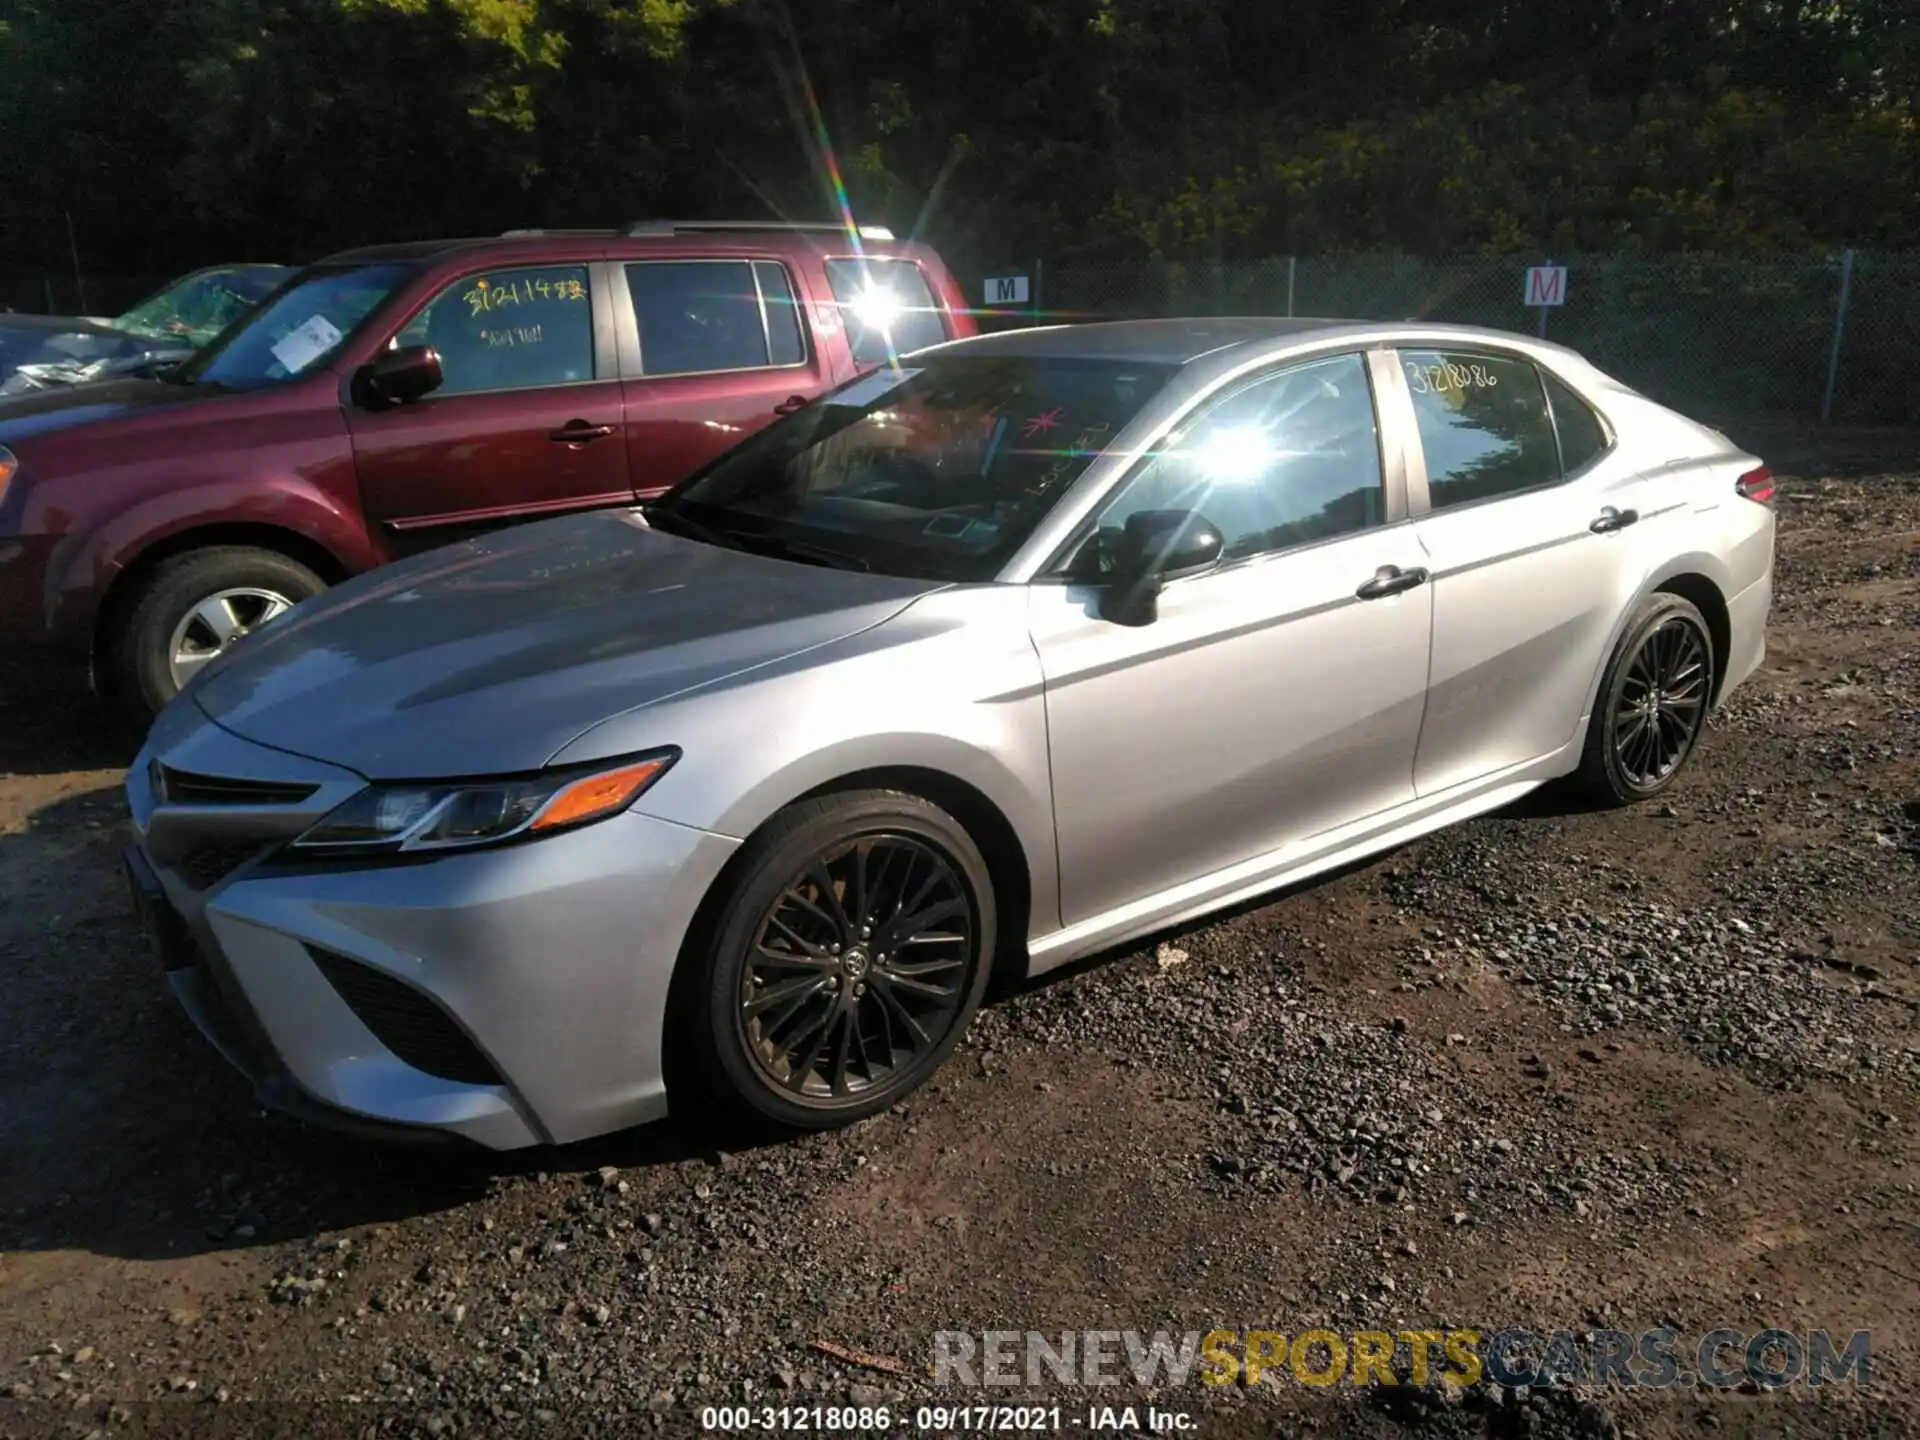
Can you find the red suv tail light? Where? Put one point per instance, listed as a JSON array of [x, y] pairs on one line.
[[1756, 485]]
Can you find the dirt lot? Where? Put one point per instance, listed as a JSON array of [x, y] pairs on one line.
[[1553, 1069]]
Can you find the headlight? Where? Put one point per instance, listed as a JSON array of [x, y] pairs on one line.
[[409, 819]]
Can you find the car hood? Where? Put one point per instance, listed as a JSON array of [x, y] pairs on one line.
[[44, 374], [59, 338], [487, 657], [44, 325]]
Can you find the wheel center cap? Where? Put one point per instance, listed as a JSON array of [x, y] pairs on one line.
[[854, 963]]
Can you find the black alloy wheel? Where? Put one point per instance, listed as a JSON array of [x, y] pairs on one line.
[[1653, 703], [1659, 710], [852, 950], [859, 967]]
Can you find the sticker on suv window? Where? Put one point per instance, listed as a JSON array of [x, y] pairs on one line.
[[870, 388], [300, 347]]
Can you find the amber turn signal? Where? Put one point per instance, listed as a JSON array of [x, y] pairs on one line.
[[597, 795]]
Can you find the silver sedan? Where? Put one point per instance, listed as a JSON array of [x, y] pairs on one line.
[[1007, 653]]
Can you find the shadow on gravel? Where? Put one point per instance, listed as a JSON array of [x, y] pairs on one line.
[[1555, 800], [51, 722], [121, 1131], [1005, 989]]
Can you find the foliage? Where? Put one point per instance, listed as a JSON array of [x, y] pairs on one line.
[[173, 131]]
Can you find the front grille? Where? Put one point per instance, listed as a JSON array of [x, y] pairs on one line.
[[182, 787], [406, 1021], [206, 866]]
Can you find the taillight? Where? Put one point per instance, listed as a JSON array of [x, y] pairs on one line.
[[1756, 485]]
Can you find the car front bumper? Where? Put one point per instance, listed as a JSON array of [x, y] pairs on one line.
[[510, 996]]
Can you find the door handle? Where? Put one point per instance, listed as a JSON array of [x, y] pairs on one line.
[[1612, 519], [790, 404], [1391, 580], [579, 432]]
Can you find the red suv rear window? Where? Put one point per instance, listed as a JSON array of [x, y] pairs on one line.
[[888, 306]]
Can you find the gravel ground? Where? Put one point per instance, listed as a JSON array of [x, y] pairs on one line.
[[1553, 1069]]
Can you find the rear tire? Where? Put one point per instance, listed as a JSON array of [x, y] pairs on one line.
[[1652, 705], [164, 632], [846, 958]]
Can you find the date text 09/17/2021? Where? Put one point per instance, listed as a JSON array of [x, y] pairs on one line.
[[949, 1419]]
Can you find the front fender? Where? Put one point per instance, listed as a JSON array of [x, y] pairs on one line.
[[952, 686], [86, 563], [1017, 784]]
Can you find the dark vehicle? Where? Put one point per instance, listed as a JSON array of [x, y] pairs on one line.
[[39, 352], [392, 399]]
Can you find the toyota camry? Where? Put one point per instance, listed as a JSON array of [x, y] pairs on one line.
[[1004, 654]]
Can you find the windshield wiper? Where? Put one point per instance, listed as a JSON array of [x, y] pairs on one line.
[[752, 540], [688, 526], [799, 550]]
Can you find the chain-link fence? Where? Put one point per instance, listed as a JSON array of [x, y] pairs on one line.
[[1717, 336], [1722, 337]]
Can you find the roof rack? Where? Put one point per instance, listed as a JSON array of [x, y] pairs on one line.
[[681, 227], [520, 234]]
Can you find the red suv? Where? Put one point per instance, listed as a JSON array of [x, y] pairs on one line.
[[390, 399]]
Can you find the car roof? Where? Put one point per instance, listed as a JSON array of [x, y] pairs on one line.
[[1164, 342], [1183, 341], [724, 236]]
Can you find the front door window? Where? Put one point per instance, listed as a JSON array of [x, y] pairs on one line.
[[510, 330]]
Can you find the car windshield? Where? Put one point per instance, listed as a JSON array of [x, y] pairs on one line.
[[940, 468], [196, 309], [297, 331]]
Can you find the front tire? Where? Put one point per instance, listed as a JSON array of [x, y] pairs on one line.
[[850, 953], [1652, 705], [192, 607]]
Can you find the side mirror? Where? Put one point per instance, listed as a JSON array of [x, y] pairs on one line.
[[1156, 546], [396, 377]]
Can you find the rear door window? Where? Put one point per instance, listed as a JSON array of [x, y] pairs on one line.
[[1583, 439], [1484, 425], [697, 317], [887, 307]]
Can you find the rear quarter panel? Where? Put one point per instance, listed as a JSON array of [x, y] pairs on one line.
[[1694, 522], [960, 321]]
